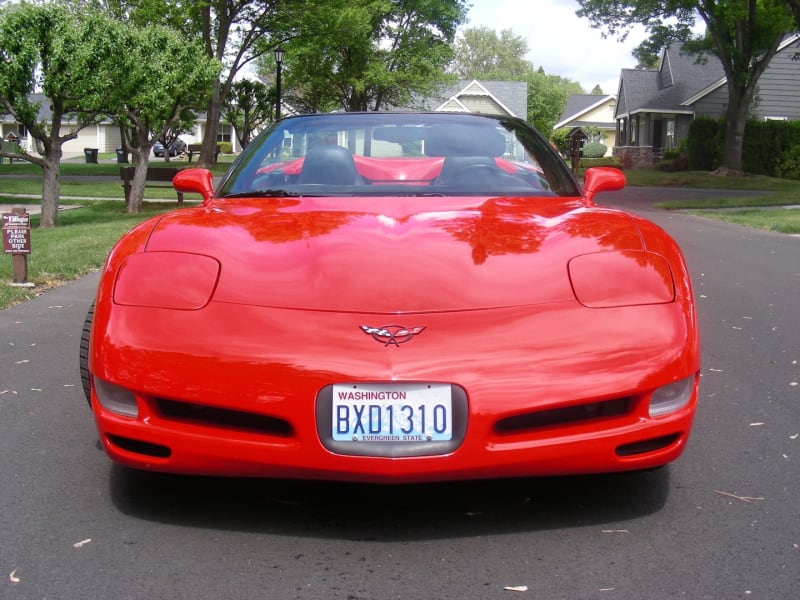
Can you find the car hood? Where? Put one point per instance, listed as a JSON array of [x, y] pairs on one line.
[[394, 255]]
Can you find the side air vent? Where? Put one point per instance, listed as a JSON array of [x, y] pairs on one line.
[[558, 417], [223, 418]]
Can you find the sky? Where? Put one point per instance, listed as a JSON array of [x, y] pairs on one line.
[[559, 41]]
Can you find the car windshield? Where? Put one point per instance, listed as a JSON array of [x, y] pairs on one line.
[[390, 154]]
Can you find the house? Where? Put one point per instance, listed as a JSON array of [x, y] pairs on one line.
[[656, 106], [104, 136], [591, 110], [488, 97], [492, 97]]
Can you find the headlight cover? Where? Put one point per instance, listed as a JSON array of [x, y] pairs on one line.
[[621, 278], [116, 398], [175, 280], [671, 397]]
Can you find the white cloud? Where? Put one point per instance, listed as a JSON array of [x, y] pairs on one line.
[[559, 41]]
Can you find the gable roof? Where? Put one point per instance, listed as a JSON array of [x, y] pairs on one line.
[[679, 77], [509, 97], [681, 80], [579, 107]]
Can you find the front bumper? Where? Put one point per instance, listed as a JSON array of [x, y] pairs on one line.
[[559, 390]]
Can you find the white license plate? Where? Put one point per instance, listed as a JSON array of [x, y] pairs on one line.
[[404, 412]]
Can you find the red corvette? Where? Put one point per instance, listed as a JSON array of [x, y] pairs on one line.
[[394, 298]]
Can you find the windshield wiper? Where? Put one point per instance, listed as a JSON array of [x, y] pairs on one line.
[[264, 194]]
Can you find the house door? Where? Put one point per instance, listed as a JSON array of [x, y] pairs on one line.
[[658, 138]]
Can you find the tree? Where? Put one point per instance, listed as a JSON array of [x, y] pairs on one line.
[[235, 33], [743, 34], [795, 6], [151, 84], [45, 47], [547, 97], [248, 106], [366, 55], [481, 53]]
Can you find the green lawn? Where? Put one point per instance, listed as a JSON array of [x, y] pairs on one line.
[[780, 220], [85, 188], [78, 245], [759, 211]]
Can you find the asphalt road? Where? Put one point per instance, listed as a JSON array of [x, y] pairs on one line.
[[721, 522]]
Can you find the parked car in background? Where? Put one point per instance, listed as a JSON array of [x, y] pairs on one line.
[[176, 148], [394, 297]]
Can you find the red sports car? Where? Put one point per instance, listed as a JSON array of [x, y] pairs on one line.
[[391, 297]]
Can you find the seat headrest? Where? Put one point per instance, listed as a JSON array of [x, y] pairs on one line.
[[464, 141]]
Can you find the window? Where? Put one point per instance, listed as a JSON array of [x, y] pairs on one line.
[[224, 133], [670, 131]]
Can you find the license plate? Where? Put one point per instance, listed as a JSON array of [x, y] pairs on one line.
[[407, 412]]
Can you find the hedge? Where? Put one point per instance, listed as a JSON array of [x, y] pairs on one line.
[[704, 147], [770, 148]]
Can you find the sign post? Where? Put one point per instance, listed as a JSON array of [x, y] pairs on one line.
[[17, 243]]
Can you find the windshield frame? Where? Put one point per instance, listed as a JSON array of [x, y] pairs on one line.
[[278, 145]]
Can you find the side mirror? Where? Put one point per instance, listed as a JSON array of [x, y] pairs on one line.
[[601, 179], [197, 181]]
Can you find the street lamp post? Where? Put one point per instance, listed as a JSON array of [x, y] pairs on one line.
[[279, 52]]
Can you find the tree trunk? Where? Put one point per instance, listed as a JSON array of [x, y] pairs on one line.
[[735, 121], [209, 147], [51, 187], [139, 179]]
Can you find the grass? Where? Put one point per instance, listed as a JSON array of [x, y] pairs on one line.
[[706, 180], [760, 211], [77, 246], [84, 235], [103, 188], [780, 220]]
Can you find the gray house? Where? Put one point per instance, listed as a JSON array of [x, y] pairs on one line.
[[656, 106]]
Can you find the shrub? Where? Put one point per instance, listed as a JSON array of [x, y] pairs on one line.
[[225, 147], [704, 148], [672, 165], [607, 161], [772, 148], [594, 150], [560, 140]]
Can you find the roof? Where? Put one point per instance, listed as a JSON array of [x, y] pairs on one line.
[[45, 112], [579, 107], [680, 77], [510, 96]]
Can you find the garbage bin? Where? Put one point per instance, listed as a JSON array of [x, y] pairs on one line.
[[90, 154], [122, 157]]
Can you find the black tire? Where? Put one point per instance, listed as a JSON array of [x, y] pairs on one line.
[[84, 354]]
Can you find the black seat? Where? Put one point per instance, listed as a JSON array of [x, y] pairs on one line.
[[467, 170], [331, 165]]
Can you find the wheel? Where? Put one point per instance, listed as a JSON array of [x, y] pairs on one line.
[[84, 354]]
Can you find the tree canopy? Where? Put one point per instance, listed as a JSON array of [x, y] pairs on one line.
[[358, 55], [44, 47], [482, 53], [743, 34], [152, 81], [248, 106]]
